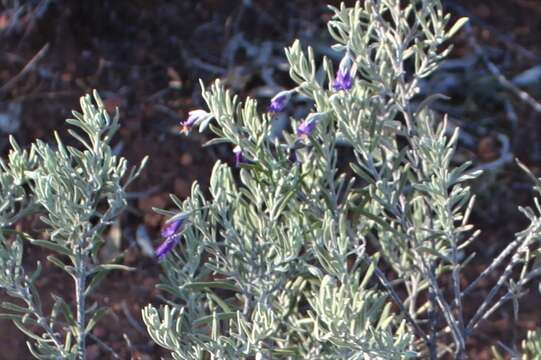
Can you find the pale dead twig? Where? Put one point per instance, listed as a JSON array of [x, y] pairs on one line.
[[511, 113], [506, 39], [27, 68], [104, 346], [131, 320], [484, 311], [495, 71], [505, 157], [197, 63]]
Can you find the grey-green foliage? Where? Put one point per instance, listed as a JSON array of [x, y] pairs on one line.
[[78, 193], [291, 259], [532, 346]]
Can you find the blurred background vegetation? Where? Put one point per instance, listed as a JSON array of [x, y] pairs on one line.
[[146, 56]]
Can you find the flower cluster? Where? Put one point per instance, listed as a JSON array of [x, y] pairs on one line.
[[343, 81]]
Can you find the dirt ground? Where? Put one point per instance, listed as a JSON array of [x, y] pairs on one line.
[[146, 56]]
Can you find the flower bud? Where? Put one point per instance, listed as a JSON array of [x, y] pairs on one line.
[[171, 233], [279, 101], [306, 128], [195, 117], [344, 80], [239, 157]]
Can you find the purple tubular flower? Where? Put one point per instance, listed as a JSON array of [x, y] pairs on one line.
[[166, 247], [293, 156], [279, 101], [306, 128], [171, 233], [343, 81], [172, 228], [239, 157], [194, 117]]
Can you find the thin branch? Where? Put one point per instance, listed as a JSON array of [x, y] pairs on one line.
[[41, 319], [492, 267], [432, 322], [80, 285], [506, 39], [495, 71], [481, 312], [104, 346], [387, 284], [131, 320], [27, 68], [456, 330], [506, 156], [507, 296]]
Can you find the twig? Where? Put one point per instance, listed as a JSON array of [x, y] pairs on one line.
[[41, 319], [490, 269], [104, 346], [432, 321], [80, 286], [49, 95], [131, 320], [482, 312], [264, 16], [387, 284], [194, 62], [456, 329], [494, 70], [505, 157], [507, 296], [28, 67], [513, 353], [511, 113], [507, 40], [143, 194]]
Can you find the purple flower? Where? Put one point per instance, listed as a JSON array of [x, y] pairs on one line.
[[344, 80], [172, 227], [293, 156], [239, 157], [171, 233], [166, 247], [307, 127], [279, 101], [194, 117]]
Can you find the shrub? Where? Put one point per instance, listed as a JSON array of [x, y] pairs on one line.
[[294, 256], [77, 194]]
